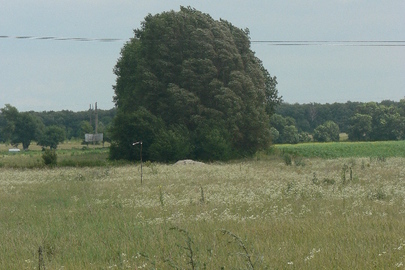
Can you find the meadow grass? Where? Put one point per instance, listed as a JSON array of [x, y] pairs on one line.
[[247, 214], [69, 154], [73, 154]]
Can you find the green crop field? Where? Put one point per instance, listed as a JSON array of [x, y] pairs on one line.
[[318, 213], [346, 149]]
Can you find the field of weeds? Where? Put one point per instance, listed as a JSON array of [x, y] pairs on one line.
[[346, 213]]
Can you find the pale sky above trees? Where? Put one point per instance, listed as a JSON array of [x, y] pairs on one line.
[[48, 74]]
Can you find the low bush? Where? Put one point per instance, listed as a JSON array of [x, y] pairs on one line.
[[50, 157]]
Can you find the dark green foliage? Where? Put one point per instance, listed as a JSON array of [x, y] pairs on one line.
[[140, 125], [85, 128], [284, 130], [386, 122], [23, 127], [287, 159], [360, 127], [51, 137], [361, 121], [328, 132], [275, 134], [290, 135], [311, 115], [211, 144], [206, 93], [171, 145], [19, 127], [72, 122], [304, 137], [50, 157]]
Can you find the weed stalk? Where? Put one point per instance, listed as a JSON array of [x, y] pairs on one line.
[[41, 262], [242, 245], [188, 247]]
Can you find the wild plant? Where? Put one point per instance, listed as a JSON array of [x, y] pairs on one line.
[[315, 180], [202, 199], [328, 181], [287, 159], [299, 161], [377, 195], [188, 248], [152, 167], [41, 261], [246, 253], [50, 157], [161, 198], [346, 169]]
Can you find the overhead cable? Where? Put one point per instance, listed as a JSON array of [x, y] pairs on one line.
[[366, 43]]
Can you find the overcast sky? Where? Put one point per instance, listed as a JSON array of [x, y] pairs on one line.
[[48, 74]]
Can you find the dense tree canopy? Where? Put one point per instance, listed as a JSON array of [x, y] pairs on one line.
[[20, 127], [186, 81], [24, 127], [327, 132], [52, 136], [361, 121]]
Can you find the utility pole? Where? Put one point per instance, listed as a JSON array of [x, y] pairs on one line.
[[96, 118], [90, 115]]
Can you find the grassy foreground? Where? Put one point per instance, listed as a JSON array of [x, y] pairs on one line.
[[249, 214]]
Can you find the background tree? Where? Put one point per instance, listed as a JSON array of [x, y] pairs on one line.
[[328, 132], [278, 123], [85, 128], [184, 71], [386, 122], [284, 130], [52, 136], [304, 137], [275, 135], [360, 127], [20, 127], [290, 135], [26, 129], [10, 115]]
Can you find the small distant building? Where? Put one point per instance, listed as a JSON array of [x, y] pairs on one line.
[[91, 138], [14, 150]]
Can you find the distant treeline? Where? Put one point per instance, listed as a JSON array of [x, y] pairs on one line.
[[22, 127], [73, 122], [291, 123], [361, 121]]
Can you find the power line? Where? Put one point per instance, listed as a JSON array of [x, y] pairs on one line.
[[361, 43], [366, 43], [82, 39]]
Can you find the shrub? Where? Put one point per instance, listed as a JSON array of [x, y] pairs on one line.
[[287, 159], [50, 157]]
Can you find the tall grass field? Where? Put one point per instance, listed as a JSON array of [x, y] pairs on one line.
[[336, 213]]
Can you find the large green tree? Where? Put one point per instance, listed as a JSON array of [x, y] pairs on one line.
[[189, 78]]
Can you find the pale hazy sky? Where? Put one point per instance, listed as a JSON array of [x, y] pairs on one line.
[[48, 74]]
